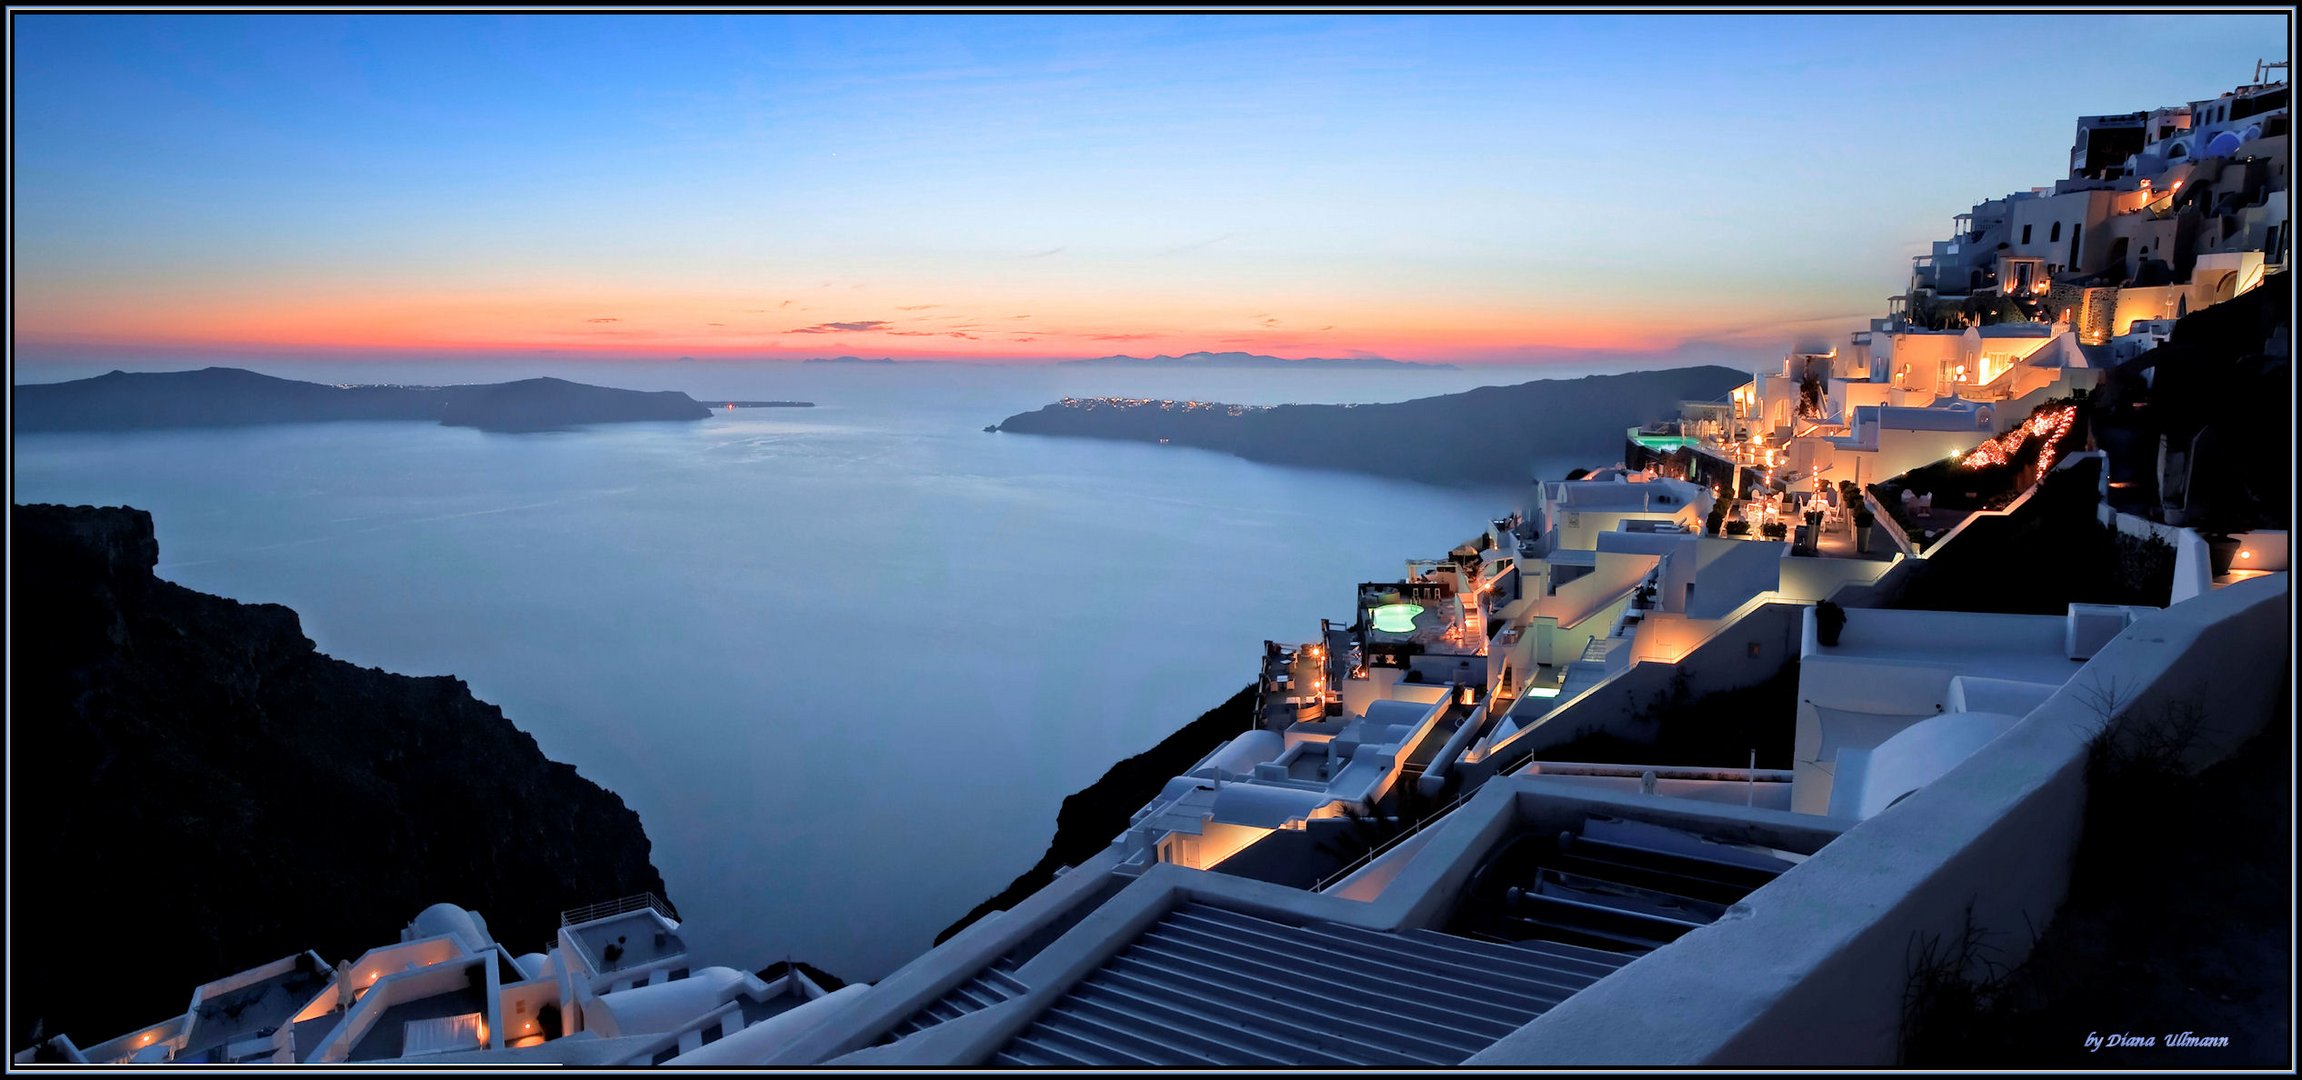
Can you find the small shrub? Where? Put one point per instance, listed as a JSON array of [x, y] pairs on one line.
[[1738, 527], [1952, 994], [1774, 530]]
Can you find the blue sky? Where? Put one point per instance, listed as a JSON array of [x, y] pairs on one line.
[[1454, 188]]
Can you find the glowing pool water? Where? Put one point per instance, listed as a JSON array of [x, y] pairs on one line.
[[1396, 618]]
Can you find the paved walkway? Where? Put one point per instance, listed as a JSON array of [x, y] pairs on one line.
[[1837, 540]]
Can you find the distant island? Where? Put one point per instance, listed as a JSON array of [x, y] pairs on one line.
[[761, 404], [192, 771], [1248, 360], [1478, 438], [856, 360], [234, 397]]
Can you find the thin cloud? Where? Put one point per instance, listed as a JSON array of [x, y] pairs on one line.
[[603, 320], [1117, 337], [1042, 254], [1270, 322], [1197, 246], [918, 307], [842, 327], [1019, 316]]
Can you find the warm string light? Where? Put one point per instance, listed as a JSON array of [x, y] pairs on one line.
[[2055, 424], [2053, 444]]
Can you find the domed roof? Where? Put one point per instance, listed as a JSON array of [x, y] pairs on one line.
[[449, 919]]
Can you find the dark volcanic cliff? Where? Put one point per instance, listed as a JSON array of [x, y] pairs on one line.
[[1480, 437], [232, 397], [194, 790]]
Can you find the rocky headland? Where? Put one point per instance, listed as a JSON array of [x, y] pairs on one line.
[[1202, 360], [1478, 438], [234, 397]]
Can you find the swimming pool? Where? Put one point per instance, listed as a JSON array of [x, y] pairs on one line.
[[1396, 618]]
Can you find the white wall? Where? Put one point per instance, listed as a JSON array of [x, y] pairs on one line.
[[518, 1003], [1814, 968], [664, 1006], [1814, 578], [1868, 781], [755, 1044], [1724, 662], [1890, 671], [398, 989], [2260, 550]]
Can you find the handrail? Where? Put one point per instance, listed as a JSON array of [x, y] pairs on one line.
[[1349, 868], [646, 901], [1561, 707], [1894, 529]]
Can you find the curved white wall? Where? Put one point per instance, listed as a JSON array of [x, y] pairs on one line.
[[752, 1045], [1870, 780], [664, 1006]]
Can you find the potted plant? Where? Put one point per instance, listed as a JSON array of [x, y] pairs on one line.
[[1774, 530], [1738, 527], [2221, 552], [1863, 520], [1829, 619]]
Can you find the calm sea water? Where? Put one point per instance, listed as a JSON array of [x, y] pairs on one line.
[[845, 662]]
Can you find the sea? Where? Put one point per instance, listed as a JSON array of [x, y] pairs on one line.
[[845, 662]]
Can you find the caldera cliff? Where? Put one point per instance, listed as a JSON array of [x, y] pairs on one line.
[[195, 790], [1478, 438]]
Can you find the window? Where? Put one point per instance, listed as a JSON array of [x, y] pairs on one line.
[[712, 1034], [2026, 234], [2076, 231], [665, 1054], [2054, 232]]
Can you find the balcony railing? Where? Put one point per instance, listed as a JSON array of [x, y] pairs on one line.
[[646, 901]]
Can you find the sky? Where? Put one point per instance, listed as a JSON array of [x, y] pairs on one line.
[[1466, 189]]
